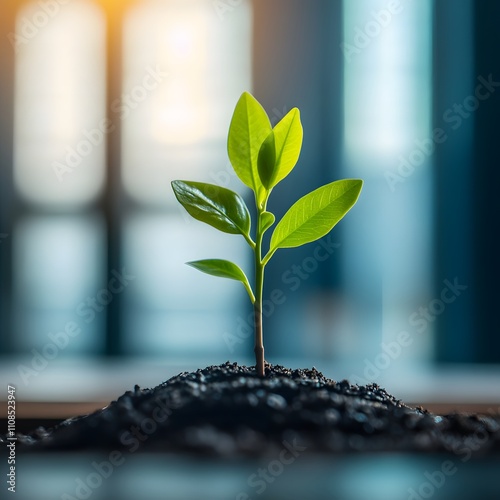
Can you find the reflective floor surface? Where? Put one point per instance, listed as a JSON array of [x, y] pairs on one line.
[[288, 476]]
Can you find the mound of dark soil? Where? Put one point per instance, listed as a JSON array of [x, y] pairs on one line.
[[228, 410]]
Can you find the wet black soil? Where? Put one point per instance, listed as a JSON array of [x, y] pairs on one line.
[[228, 410]]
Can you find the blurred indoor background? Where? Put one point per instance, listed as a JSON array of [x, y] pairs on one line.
[[104, 102]]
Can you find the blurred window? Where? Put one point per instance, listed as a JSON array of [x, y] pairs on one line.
[[142, 93], [59, 172], [113, 100], [60, 93], [387, 142], [184, 68]]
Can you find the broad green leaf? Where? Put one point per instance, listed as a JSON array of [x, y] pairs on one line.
[[215, 205], [223, 269], [249, 127], [280, 151], [266, 221], [315, 214]]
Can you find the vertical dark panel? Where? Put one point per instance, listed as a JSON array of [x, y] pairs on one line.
[[7, 61], [453, 173], [298, 63], [112, 196], [486, 167]]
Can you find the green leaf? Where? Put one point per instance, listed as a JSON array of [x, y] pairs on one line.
[[215, 205], [315, 214], [266, 162], [223, 269], [249, 127], [266, 221], [280, 151]]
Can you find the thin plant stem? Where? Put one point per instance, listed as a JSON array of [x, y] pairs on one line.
[[259, 288]]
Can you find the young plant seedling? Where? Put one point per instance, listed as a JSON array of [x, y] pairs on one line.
[[263, 156]]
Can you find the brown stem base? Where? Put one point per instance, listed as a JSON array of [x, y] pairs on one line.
[[259, 359]]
